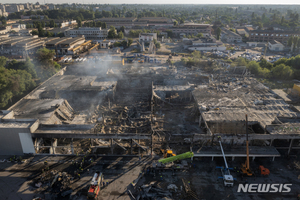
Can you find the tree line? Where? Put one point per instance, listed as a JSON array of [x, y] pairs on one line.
[[284, 68], [19, 77]]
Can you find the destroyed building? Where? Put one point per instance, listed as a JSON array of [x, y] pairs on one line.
[[114, 109]]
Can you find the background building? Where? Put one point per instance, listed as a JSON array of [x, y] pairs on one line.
[[275, 46], [91, 33], [147, 37], [229, 36], [268, 35], [192, 29]]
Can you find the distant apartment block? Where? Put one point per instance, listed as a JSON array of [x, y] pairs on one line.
[[268, 35], [51, 6], [90, 33], [192, 29], [14, 8]]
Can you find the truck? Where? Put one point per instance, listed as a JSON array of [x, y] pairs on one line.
[[95, 185]]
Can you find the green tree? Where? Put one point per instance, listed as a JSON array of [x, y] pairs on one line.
[[120, 35], [265, 64], [282, 20], [104, 26], [199, 35], [254, 67], [218, 32], [79, 23], [3, 61], [45, 56], [282, 71], [196, 55], [34, 32], [241, 61], [49, 34], [14, 82], [129, 42], [52, 23], [157, 45], [122, 29], [112, 32]]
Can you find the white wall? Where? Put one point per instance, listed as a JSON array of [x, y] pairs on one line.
[[27, 143]]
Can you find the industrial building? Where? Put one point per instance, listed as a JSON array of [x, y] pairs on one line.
[[66, 47], [19, 46], [27, 45], [144, 22], [192, 29], [91, 33], [207, 43], [268, 35]]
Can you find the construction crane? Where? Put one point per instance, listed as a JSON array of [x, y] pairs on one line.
[[246, 167], [226, 176], [95, 185]]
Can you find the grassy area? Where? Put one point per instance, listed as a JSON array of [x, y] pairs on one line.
[[276, 84]]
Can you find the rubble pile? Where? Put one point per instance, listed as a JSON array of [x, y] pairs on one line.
[[54, 182], [153, 192]]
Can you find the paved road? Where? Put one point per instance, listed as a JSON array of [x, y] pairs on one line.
[[15, 179]]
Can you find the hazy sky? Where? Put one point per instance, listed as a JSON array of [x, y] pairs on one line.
[[159, 1]]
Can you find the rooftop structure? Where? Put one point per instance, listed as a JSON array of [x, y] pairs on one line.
[[55, 42]]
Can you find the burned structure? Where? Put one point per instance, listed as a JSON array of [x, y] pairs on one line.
[[108, 108]]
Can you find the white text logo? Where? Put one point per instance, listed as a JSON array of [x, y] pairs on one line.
[[276, 187]]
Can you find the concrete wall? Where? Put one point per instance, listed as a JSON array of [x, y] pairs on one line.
[[219, 48], [10, 143]]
